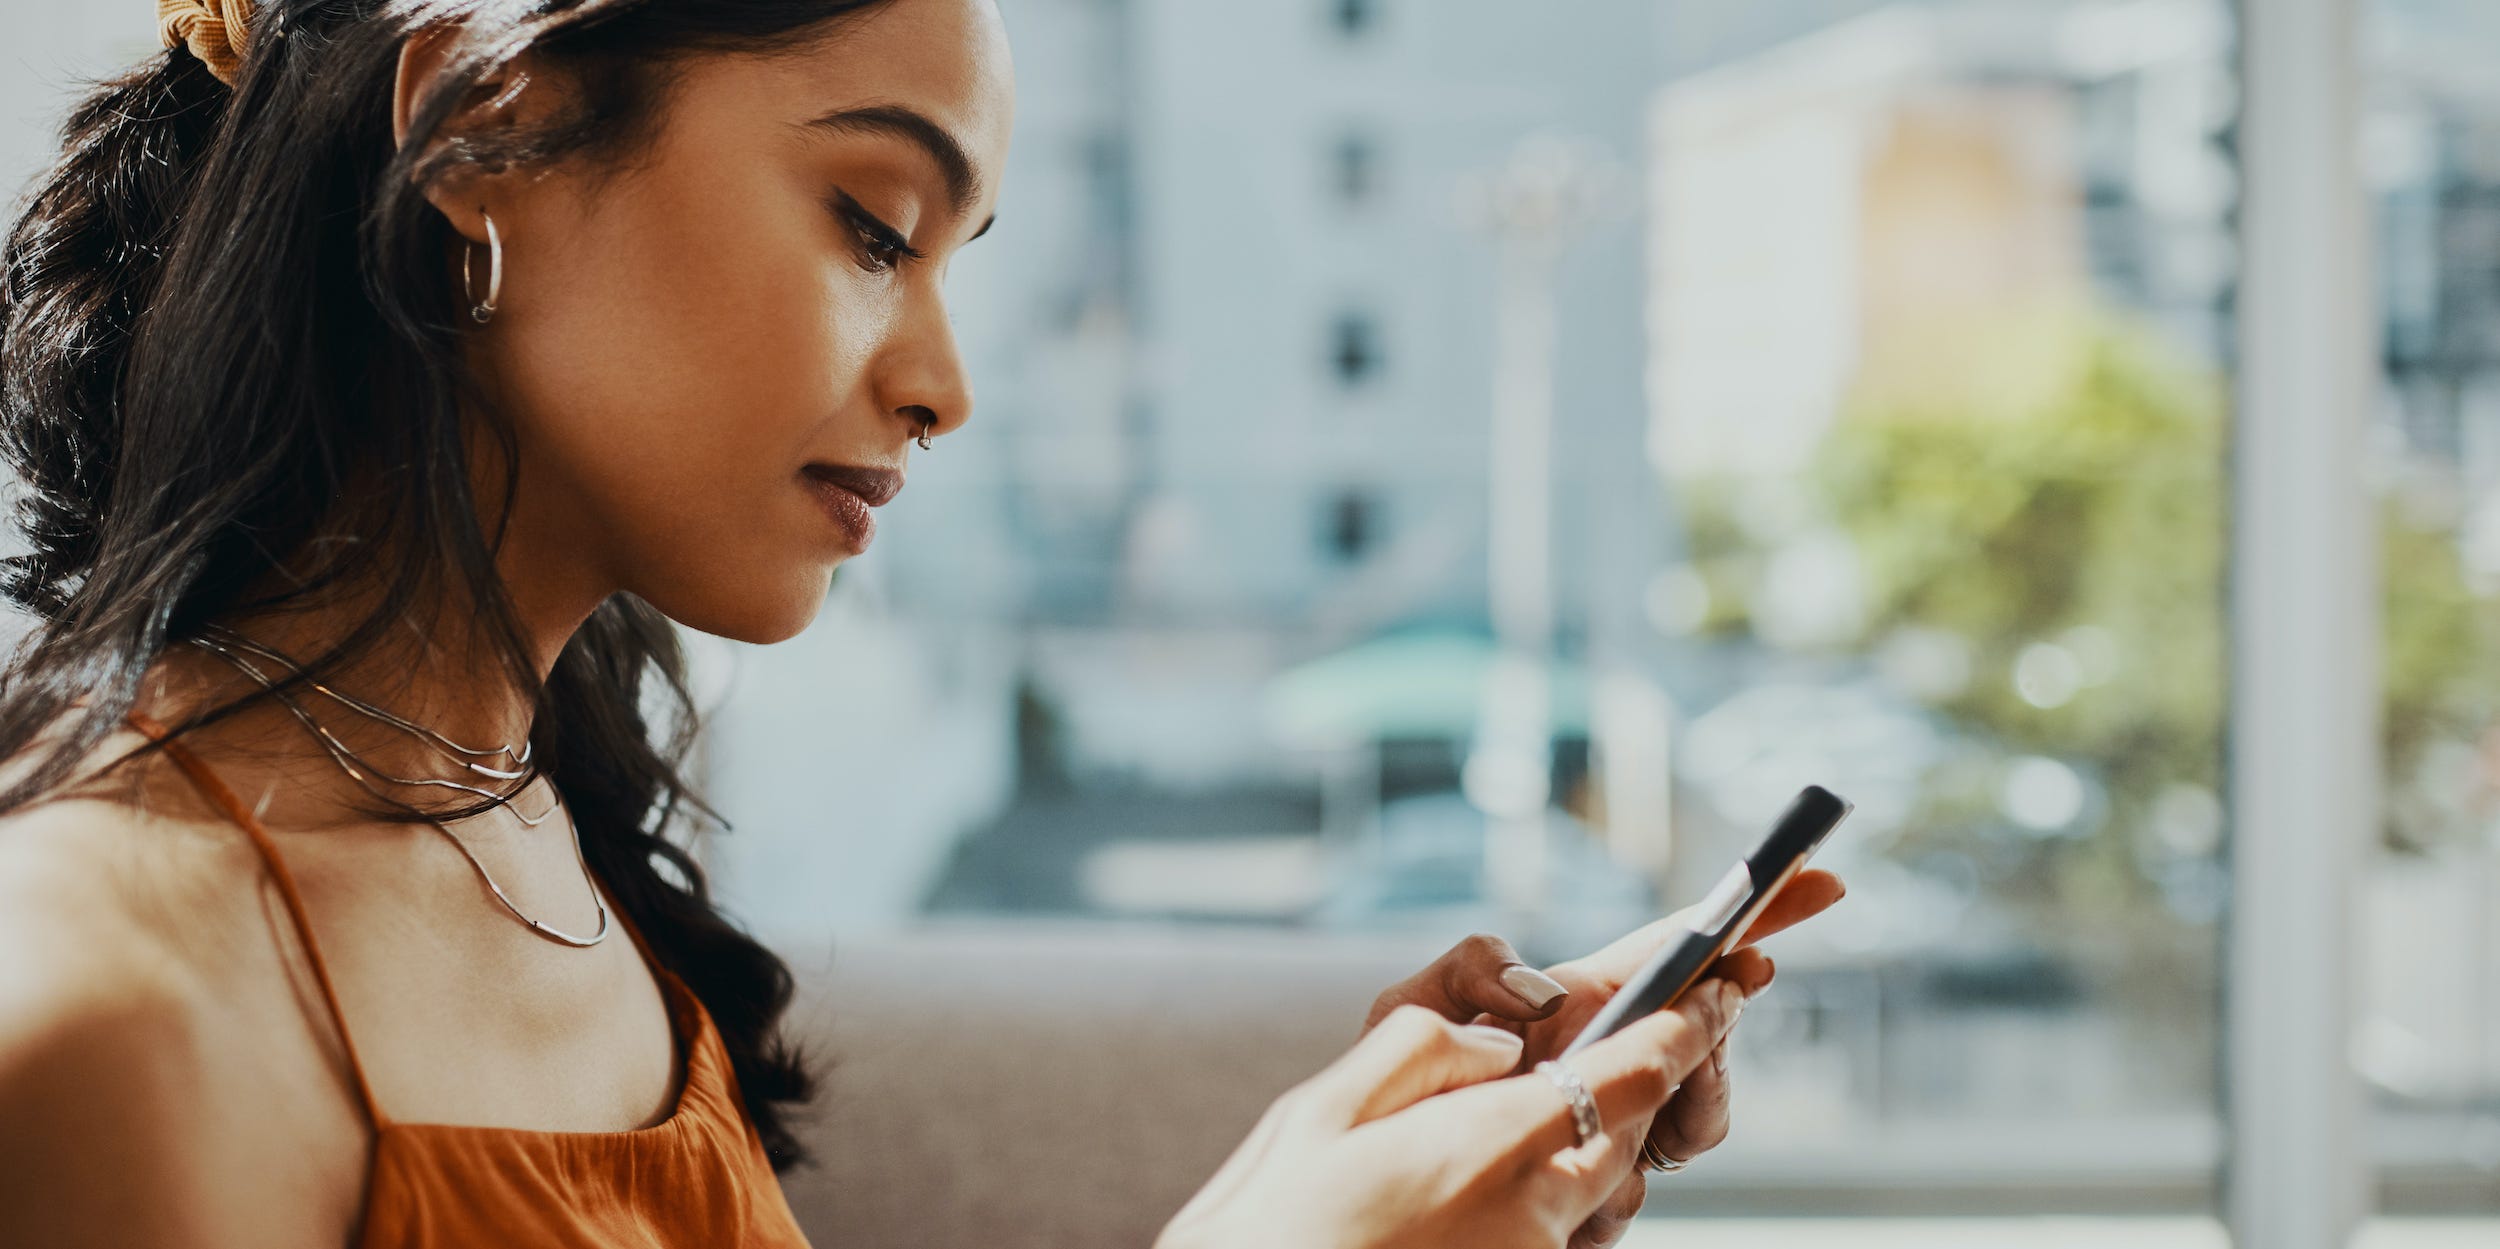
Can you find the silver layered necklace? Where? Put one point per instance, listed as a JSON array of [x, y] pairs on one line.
[[233, 647]]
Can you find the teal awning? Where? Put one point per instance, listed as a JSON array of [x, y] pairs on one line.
[[1417, 684]]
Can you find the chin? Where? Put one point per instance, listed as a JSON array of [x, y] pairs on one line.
[[778, 614]]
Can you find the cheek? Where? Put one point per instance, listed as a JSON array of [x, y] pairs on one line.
[[683, 334], [670, 362]]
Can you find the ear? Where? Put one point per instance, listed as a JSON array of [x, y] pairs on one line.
[[515, 97]]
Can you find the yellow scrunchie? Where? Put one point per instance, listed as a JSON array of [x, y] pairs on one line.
[[217, 30]]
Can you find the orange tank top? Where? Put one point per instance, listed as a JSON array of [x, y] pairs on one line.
[[698, 1177]]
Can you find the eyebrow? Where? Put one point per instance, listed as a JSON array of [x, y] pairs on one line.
[[963, 184]]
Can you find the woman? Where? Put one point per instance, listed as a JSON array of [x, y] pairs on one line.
[[386, 375]]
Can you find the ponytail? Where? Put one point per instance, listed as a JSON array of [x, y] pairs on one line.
[[78, 269]]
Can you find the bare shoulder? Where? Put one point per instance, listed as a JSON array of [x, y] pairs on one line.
[[96, 1107], [101, 907], [99, 1106], [119, 887], [120, 926], [119, 883]]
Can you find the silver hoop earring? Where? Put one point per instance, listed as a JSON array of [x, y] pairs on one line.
[[483, 311]]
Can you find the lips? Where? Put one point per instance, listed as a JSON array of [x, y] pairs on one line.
[[875, 486]]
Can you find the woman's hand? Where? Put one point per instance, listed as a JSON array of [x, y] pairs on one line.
[[1419, 1137], [1481, 980]]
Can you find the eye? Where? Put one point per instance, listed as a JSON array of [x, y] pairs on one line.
[[881, 245]]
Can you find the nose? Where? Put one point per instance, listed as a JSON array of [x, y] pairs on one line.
[[921, 379]]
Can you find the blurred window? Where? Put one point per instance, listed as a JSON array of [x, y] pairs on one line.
[[1354, 168], [2429, 1041], [1352, 519], [1884, 396], [1939, 398], [1354, 348], [1354, 17]]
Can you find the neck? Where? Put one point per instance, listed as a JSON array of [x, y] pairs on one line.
[[438, 668]]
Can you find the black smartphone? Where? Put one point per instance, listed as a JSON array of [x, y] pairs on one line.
[[1722, 918]]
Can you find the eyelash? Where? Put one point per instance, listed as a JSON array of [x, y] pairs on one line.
[[879, 240]]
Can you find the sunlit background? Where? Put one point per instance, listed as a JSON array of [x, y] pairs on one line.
[[1461, 466]]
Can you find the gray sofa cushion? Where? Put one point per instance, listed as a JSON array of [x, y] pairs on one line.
[[1031, 1086]]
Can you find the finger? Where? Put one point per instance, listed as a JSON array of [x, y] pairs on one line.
[[1750, 969], [1413, 1054], [1481, 975], [1630, 1076], [1697, 1116], [1607, 1224], [1809, 895], [1696, 1119]]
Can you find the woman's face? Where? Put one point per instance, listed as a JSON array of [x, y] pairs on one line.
[[677, 343]]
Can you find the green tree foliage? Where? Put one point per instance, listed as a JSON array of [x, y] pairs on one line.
[[2442, 667], [2050, 487], [2054, 485]]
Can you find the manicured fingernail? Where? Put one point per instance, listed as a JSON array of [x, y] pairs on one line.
[[1718, 1060], [1490, 1037], [1532, 987]]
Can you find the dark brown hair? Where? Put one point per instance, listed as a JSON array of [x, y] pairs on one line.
[[229, 344]]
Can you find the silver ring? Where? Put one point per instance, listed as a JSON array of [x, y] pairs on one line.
[[1657, 1159], [1584, 1118]]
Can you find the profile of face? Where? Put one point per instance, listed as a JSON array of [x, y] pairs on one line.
[[757, 289]]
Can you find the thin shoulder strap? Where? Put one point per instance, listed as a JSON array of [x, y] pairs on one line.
[[224, 797]]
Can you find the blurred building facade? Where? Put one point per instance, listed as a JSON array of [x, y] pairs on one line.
[[1232, 339], [1869, 191]]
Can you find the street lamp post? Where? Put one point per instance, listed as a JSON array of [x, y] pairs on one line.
[[1549, 188]]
